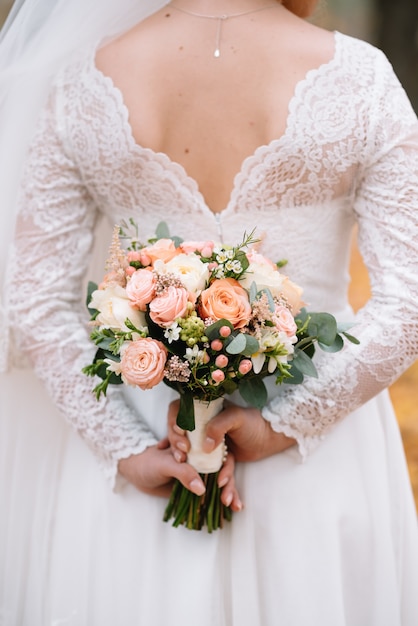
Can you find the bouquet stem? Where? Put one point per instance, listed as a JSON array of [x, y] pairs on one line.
[[195, 512], [186, 508]]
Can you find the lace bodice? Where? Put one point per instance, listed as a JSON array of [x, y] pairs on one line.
[[349, 154]]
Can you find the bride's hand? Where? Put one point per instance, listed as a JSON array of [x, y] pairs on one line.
[[249, 436], [153, 471], [226, 479]]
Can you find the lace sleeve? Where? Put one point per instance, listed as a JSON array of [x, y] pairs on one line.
[[386, 209], [50, 259]]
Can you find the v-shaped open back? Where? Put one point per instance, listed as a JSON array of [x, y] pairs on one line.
[[301, 87]]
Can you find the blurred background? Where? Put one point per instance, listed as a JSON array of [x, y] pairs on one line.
[[393, 27]]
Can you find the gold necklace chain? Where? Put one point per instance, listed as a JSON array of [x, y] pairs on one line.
[[221, 19]]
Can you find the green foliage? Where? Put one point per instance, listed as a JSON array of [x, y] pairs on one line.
[[253, 391], [185, 416]]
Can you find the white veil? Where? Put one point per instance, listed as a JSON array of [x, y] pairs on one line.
[[38, 37]]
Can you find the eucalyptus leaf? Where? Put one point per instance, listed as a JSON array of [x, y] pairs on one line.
[[296, 376], [253, 391], [253, 292], [212, 331], [162, 231], [90, 288], [270, 299], [237, 345], [351, 338], [335, 347], [177, 241], [252, 345], [185, 416], [324, 327], [342, 327], [304, 364]]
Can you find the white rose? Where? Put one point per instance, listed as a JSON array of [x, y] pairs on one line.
[[264, 276], [192, 272], [114, 308]]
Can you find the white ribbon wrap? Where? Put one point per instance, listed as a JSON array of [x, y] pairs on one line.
[[203, 462]]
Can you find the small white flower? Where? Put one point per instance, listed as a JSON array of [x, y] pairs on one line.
[[220, 273], [172, 333], [233, 266], [194, 355], [113, 366], [258, 361]]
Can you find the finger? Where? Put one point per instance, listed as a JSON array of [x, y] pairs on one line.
[[227, 470], [188, 477], [223, 423], [163, 444], [173, 409], [229, 496]]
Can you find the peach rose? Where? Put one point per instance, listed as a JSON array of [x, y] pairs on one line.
[[226, 299], [163, 249], [284, 321], [170, 305], [293, 294], [143, 362], [141, 289]]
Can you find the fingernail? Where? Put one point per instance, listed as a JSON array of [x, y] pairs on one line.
[[223, 482], [228, 499], [209, 443], [238, 505], [182, 445], [197, 487], [178, 456]]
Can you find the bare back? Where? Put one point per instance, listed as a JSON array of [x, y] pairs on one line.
[[208, 114]]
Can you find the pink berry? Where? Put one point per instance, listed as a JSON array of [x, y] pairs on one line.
[[221, 360], [245, 366], [130, 270], [216, 344], [224, 331], [218, 376]]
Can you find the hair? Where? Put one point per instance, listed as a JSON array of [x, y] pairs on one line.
[[301, 8]]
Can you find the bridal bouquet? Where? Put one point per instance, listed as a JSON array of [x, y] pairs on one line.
[[207, 320]]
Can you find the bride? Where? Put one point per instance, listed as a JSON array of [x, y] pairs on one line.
[[215, 116]]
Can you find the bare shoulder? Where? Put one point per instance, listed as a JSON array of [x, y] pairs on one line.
[[310, 43], [126, 47]]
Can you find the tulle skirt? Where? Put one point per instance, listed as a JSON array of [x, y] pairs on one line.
[[332, 541]]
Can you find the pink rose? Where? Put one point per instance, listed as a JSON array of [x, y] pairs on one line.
[[172, 303], [141, 289], [204, 247], [284, 321], [163, 250], [259, 259], [226, 299], [143, 363]]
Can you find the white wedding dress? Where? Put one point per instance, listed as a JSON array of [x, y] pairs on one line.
[[328, 535]]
